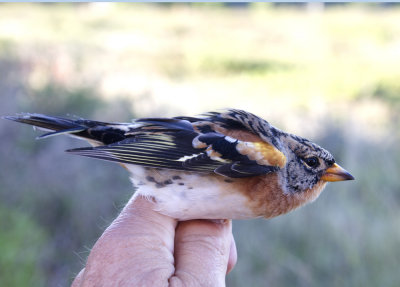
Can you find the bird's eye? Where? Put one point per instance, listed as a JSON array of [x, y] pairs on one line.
[[312, 161]]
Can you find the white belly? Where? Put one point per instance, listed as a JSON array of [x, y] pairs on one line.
[[187, 195]]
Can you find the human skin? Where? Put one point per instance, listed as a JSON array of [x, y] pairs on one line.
[[145, 248]]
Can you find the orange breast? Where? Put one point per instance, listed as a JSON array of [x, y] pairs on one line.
[[266, 197]]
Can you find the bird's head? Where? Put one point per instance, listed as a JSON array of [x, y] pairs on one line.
[[308, 164]]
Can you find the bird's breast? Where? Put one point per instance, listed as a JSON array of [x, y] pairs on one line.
[[189, 195]]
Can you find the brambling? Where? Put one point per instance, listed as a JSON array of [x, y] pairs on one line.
[[220, 165]]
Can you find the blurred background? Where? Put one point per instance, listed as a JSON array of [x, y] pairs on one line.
[[326, 72]]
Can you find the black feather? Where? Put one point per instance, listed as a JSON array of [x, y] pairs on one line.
[[238, 170], [167, 123], [93, 130]]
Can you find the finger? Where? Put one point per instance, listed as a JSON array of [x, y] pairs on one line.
[[78, 279], [139, 216], [232, 256], [202, 251], [139, 242]]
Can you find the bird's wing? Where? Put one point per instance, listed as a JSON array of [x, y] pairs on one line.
[[234, 144], [180, 144]]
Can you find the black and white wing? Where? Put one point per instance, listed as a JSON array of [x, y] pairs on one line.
[[189, 144]]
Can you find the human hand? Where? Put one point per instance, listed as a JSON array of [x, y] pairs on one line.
[[145, 248]]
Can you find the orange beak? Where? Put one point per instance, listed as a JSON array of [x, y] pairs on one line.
[[336, 173]]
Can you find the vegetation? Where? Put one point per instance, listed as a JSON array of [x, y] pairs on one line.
[[327, 74]]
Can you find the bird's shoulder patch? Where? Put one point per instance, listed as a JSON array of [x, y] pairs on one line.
[[263, 153]]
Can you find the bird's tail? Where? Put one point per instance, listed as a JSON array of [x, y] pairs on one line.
[[99, 132]]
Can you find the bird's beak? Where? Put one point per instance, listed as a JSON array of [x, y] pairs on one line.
[[336, 173]]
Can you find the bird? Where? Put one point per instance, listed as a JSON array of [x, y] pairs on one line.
[[229, 164]]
